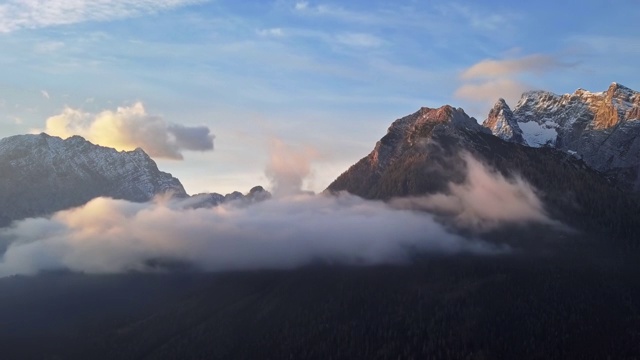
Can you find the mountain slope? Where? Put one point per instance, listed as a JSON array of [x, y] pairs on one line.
[[43, 174], [421, 155], [407, 160]]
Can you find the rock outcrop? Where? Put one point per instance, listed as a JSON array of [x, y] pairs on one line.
[[502, 123]]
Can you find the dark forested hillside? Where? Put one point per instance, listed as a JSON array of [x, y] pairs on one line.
[[463, 307]]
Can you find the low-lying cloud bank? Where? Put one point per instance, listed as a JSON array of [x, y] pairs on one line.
[[287, 231], [129, 127], [110, 236]]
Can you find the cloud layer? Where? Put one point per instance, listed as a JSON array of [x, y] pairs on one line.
[[130, 127], [20, 14], [112, 236]]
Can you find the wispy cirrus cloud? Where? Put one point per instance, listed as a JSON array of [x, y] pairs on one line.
[[20, 14], [607, 44], [48, 47], [338, 13], [271, 32], [479, 19], [362, 40], [350, 39]]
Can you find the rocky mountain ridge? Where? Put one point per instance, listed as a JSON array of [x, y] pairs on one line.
[[425, 137], [42, 174], [208, 200], [602, 128]]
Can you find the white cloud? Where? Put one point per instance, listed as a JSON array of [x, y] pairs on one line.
[[49, 46], [338, 13], [484, 201], [110, 236], [275, 32], [490, 91], [481, 20], [45, 94], [489, 68], [130, 127], [490, 79], [32, 14]]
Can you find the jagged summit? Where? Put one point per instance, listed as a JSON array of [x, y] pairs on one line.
[[42, 174], [411, 130], [399, 164], [502, 123], [617, 86], [602, 128], [442, 115], [207, 200]]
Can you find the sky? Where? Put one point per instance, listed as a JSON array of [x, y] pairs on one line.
[[210, 88]]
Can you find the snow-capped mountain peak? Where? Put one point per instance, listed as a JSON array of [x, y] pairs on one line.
[[603, 128]]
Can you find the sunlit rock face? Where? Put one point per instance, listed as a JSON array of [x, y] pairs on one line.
[[503, 124], [422, 157], [416, 156], [602, 128], [420, 154], [41, 174]]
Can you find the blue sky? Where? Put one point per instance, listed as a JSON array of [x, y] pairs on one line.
[[323, 77]]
